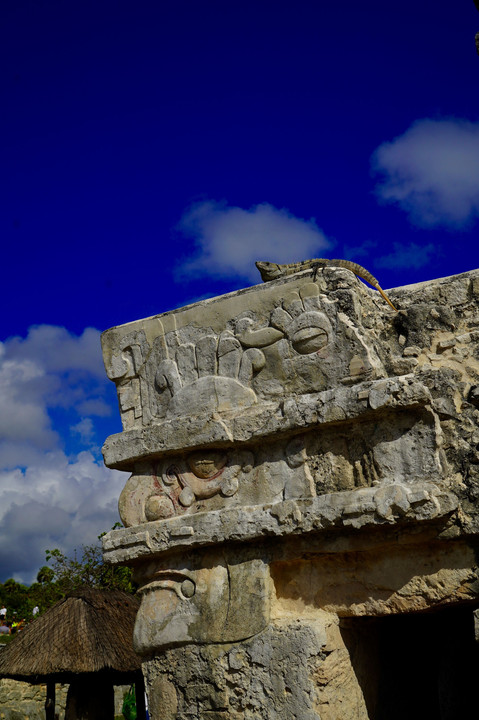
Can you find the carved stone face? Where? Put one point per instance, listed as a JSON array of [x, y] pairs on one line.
[[206, 464], [237, 352], [183, 605], [181, 485], [310, 332], [220, 375]]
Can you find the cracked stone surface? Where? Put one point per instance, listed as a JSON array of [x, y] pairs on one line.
[[301, 457]]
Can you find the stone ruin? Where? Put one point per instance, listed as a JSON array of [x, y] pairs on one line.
[[302, 513]]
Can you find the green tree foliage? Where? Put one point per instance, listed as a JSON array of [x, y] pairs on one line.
[[86, 568], [61, 576], [17, 599], [45, 575]]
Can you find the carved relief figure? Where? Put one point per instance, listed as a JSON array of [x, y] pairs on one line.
[[319, 346], [179, 486], [200, 372], [225, 601], [295, 343], [125, 368]]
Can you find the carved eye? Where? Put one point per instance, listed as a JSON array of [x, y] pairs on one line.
[[206, 464], [159, 507], [188, 588], [172, 580], [171, 476], [309, 332]]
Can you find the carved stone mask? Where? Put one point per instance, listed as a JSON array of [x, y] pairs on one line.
[[183, 605]]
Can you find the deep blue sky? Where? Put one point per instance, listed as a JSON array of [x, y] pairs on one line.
[[117, 115], [121, 121]]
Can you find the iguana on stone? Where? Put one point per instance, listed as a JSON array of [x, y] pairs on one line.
[[272, 271]]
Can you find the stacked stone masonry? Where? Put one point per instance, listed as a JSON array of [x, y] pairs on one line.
[[23, 701], [303, 494]]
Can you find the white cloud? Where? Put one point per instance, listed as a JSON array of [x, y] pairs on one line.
[[56, 502], [48, 497], [50, 368], [230, 239], [84, 429], [431, 172], [23, 416], [55, 349]]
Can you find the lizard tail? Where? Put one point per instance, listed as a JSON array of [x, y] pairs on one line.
[[364, 274], [386, 298]]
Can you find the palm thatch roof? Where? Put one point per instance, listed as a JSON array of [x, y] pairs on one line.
[[89, 631]]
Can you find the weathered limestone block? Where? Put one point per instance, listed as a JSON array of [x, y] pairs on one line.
[[204, 599], [214, 371], [303, 461], [216, 681]]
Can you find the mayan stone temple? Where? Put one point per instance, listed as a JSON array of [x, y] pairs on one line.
[[301, 514]]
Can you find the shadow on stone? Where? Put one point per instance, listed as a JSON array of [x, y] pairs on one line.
[[415, 666]]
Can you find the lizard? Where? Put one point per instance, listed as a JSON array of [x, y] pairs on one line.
[[272, 271]]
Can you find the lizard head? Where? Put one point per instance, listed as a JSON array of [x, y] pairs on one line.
[[268, 270]]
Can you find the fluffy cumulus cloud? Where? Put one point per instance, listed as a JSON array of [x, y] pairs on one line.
[[54, 488], [431, 172], [230, 239]]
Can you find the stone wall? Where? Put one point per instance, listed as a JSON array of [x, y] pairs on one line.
[[303, 498], [22, 701]]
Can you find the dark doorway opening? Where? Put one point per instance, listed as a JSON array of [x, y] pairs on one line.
[[421, 666]]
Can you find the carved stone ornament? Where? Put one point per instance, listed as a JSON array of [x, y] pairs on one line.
[[300, 456]]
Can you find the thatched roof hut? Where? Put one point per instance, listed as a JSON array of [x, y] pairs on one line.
[[85, 640]]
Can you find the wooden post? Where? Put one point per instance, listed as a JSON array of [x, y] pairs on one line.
[[50, 701], [140, 699]]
